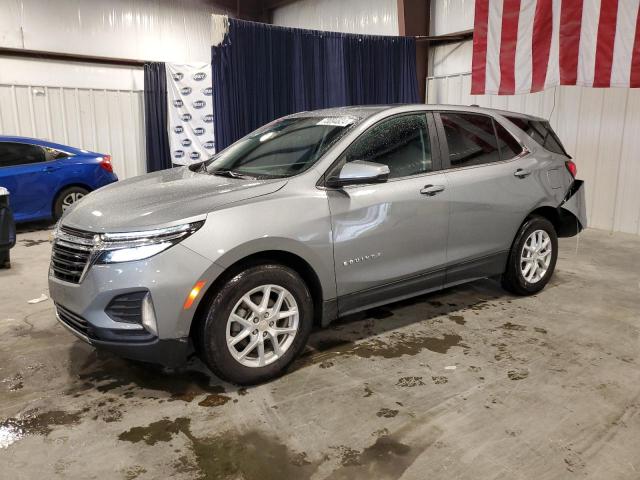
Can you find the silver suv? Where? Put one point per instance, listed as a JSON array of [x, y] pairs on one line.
[[313, 216]]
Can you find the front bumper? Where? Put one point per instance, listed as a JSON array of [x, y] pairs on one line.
[[169, 352], [168, 277]]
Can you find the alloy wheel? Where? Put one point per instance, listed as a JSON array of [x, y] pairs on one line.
[[70, 199], [262, 325], [535, 257]]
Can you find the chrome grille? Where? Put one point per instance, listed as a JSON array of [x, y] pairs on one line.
[[76, 322], [70, 254]]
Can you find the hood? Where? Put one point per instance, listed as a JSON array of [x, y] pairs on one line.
[[160, 199]]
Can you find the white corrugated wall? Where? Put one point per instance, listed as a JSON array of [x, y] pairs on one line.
[[101, 120], [91, 106], [372, 17], [599, 127]]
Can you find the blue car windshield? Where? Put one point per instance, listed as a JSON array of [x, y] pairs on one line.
[[280, 149]]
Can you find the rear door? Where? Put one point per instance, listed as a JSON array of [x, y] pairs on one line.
[[492, 182], [390, 238], [22, 172]]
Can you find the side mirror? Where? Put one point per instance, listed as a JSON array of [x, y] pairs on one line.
[[359, 172]]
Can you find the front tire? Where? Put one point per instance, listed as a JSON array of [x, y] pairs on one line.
[[532, 259], [256, 324]]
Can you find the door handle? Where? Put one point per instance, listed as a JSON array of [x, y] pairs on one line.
[[50, 169], [522, 173], [431, 190]]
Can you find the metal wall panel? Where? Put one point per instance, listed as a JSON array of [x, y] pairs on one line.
[[161, 30], [449, 16], [373, 17], [106, 121], [599, 128]]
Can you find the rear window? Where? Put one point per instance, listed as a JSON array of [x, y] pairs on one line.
[[541, 132], [477, 139]]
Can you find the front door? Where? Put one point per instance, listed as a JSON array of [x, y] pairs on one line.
[[390, 238]]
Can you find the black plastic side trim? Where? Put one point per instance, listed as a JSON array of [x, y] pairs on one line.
[[468, 271], [391, 292], [329, 312]]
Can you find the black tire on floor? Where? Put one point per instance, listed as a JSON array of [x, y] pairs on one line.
[[512, 279], [57, 205], [210, 338]]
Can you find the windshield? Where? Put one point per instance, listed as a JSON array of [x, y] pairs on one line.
[[280, 149]]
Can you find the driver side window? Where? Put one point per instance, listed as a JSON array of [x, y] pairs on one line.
[[401, 143]]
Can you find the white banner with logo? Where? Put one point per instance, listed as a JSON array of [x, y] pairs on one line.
[[190, 112]]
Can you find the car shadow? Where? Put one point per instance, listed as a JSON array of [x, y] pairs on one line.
[[102, 372]]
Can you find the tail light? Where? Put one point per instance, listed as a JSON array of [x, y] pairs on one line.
[[106, 163], [573, 170]]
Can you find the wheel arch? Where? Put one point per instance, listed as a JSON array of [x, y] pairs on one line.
[[564, 222], [282, 257]]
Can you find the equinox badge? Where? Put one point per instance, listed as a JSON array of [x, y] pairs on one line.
[[364, 258]]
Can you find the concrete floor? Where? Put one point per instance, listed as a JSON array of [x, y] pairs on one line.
[[469, 383]]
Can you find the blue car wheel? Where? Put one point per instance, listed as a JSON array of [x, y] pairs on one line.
[[66, 199]]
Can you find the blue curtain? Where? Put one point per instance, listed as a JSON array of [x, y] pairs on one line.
[[155, 117], [262, 72]]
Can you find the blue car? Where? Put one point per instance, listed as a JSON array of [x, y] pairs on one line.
[[45, 178]]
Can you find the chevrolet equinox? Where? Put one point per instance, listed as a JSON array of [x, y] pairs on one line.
[[313, 216]]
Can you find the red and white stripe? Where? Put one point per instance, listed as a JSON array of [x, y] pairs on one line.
[[522, 46]]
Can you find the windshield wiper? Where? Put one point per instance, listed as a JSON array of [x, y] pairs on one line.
[[225, 172]]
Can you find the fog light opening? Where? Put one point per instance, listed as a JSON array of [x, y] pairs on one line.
[[193, 294], [149, 315]]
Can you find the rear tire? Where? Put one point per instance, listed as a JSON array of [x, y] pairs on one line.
[[242, 335], [66, 198], [532, 259]]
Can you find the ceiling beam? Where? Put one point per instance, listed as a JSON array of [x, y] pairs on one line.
[[69, 57], [447, 38]]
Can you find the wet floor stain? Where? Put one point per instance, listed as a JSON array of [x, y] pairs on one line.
[[160, 431], [214, 400], [387, 458], [439, 379], [387, 413], [14, 382], [397, 345], [131, 379], [134, 472], [503, 352], [33, 243], [251, 456], [348, 455], [410, 382], [33, 423], [518, 374], [513, 327], [459, 319]]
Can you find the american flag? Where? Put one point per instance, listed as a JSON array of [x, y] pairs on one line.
[[522, 46]]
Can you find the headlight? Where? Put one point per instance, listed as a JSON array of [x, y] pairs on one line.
[[130, 246]]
